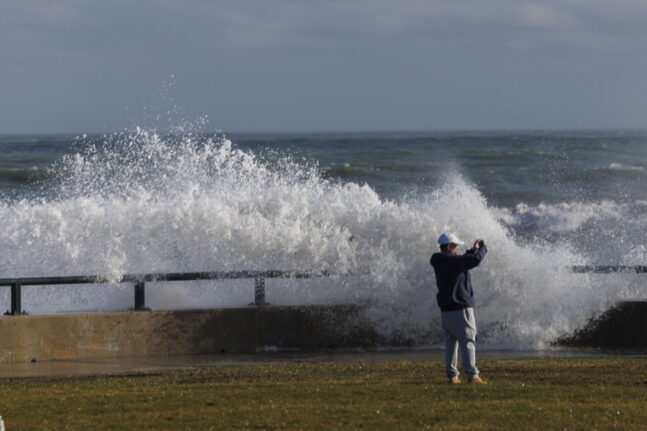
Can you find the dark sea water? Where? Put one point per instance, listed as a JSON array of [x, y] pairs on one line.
[[508, 167], [351, 203], [544, 182]]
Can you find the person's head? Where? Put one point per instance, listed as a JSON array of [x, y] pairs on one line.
[[449, 243], [449, 248]]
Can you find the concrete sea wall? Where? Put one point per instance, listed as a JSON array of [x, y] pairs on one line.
[[182, 332], [622, 326], [245, 330]]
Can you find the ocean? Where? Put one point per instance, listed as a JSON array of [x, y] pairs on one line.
[[366, 207]]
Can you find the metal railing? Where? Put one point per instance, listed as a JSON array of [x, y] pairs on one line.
[[607, 269], [258, 276], [140, 280]]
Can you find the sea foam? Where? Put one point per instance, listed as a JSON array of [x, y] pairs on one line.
[[146, 202]]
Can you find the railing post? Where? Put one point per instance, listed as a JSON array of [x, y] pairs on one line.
[[140, 297], [259, 291], [16, 298]]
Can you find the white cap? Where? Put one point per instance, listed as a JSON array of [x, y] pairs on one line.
[[449, 238]]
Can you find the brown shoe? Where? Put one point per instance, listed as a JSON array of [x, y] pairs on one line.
[[455, 381], [477, 381]]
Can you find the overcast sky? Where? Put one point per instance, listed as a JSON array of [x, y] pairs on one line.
[[323, 65]]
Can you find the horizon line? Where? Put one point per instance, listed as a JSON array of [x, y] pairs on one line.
[[350, 132]]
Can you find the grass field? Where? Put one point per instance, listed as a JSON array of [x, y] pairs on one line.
[[524, 394]]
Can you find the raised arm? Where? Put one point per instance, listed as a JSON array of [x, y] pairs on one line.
[[472, 258]]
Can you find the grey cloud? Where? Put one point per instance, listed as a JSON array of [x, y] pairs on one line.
[[262, 23], [295, 64]]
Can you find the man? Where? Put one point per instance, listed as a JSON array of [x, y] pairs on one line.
[[456, 301]]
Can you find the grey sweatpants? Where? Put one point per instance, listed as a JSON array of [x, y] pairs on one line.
[[460, 331]]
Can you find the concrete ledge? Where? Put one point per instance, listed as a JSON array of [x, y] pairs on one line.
[[244, 330], [624, 325], [182, 332]]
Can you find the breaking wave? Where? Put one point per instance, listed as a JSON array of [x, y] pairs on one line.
[[148, 202]]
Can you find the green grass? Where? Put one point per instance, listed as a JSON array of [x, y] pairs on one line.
[[524, 394]]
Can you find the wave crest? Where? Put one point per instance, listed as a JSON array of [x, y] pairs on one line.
[[146, 202]]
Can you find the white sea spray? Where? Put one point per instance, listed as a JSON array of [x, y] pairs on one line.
[[147, 202]]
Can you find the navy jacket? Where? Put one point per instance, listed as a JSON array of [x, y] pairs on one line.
[[453, 279]]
